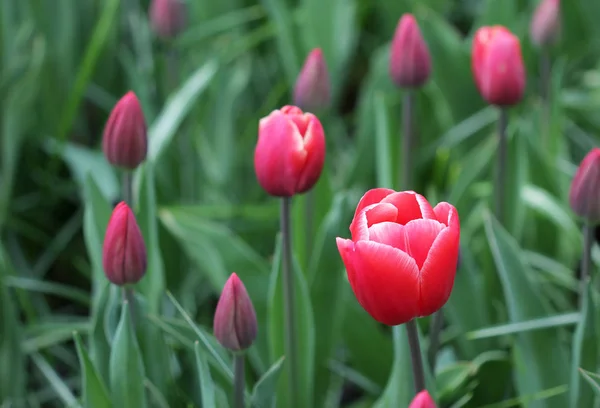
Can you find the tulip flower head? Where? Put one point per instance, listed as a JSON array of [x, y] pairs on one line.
[[410, 62], [124, 252], [312, 90], [584, 195], [235, 324], [402, 257], [290, 152], [167, 17], [125, 142], [545, 24], [422, 400], [498, 66]]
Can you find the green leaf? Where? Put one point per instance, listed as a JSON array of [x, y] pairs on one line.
[[126, 367], [207, 386], [62, 390], [592, 379], [94, 391], [263, 393], [566, 319]]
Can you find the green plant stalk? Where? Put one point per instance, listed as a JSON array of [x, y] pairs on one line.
[[309, 215], [415, 356], [499, 186], [407, 138], [128, 291], [238, 380], [435, 330], [586, 262], [289, 302], [545, 93]]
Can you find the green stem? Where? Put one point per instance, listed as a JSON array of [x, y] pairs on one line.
[[499, 186], [289, 303], [309, 214], [586, 263], [415, 355], [128, 187], [238, 379], [545, 93], [407, 139], [437, 323], [129, 297]]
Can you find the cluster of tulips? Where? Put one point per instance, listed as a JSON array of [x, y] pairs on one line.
[[402, 254]]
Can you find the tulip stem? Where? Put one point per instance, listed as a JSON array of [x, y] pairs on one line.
[[129, 297], [309, 213], [501, 169], [128, 187], [545, 90], [586, 263], [437, 323], [407, 136], [289, 302], [415, 355], [238, 379]]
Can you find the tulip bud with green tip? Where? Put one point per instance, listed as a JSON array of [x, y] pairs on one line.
[[235, 324]]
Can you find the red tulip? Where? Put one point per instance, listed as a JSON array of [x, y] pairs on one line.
[[584, 196], [124, 141], [410, 62], [290, 152], [312, 90], [401, 260], [422, 400], [498, 66], [545, 24], [124, 251], [235, 319], [167, 17]]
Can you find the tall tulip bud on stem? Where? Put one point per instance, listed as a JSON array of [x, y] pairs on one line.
[[584, 198], [235, 328], [288, 160], [167, 17], [499, 74]]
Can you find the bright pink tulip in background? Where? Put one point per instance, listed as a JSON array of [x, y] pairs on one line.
[[422, 400]]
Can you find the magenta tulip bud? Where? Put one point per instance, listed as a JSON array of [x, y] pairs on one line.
[[124, 141], [410, 62], [167, 17], [584, 196], [312, 90], [124, 252], [235, 319], [422, 400], [545, 24]]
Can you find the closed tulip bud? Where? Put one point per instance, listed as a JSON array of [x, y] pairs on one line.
[[235, 318], [124, 252], [312, 90], [290, 152], [584, 196], [167, 17], [498, 66], [410, 62], [125, 142], [422, 400], [402, 255], [545, 24]]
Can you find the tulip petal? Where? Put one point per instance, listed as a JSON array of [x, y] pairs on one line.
[[371, 197], [421, 235], [346, 248], [410, 205], [447, 215], [372, 214], [314, 144], [388, 282], [389, 233]]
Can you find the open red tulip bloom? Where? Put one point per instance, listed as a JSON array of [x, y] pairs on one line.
[[401, 260]]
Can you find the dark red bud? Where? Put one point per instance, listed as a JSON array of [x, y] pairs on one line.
[[410, 62], [312, 90], [167, 17], [584, 195]]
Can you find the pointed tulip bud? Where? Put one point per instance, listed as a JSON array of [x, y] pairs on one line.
[[124, 141], [422, 400], [124, 251], [584, 196], [290, 152], [498, 66], [312, 90], [545, 24], [167, 17], [410, 62], [235, 318]]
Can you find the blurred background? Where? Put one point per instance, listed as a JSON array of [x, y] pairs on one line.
[[65, 63]]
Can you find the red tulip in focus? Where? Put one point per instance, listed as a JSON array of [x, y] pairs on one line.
[[167, 17], [401, 260], [545, 24], [235, 318], [124, 251], [422, 400], [290, 152], [410, 62], [124, 141], [584, 196], [312, 90], [498, 66]]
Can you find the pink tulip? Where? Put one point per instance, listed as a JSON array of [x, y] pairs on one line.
[[167, 17], [545, 24], [410, 62], [422, 400], [312, 90], [584, 196]]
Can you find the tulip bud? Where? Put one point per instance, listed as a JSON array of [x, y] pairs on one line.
[[422, 400], [410, 63], [498, 66], [235, 318], [290, 152], [312, 90], [545, 24], [124, 141], [584, 195], [124, 251], [167, 17]]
